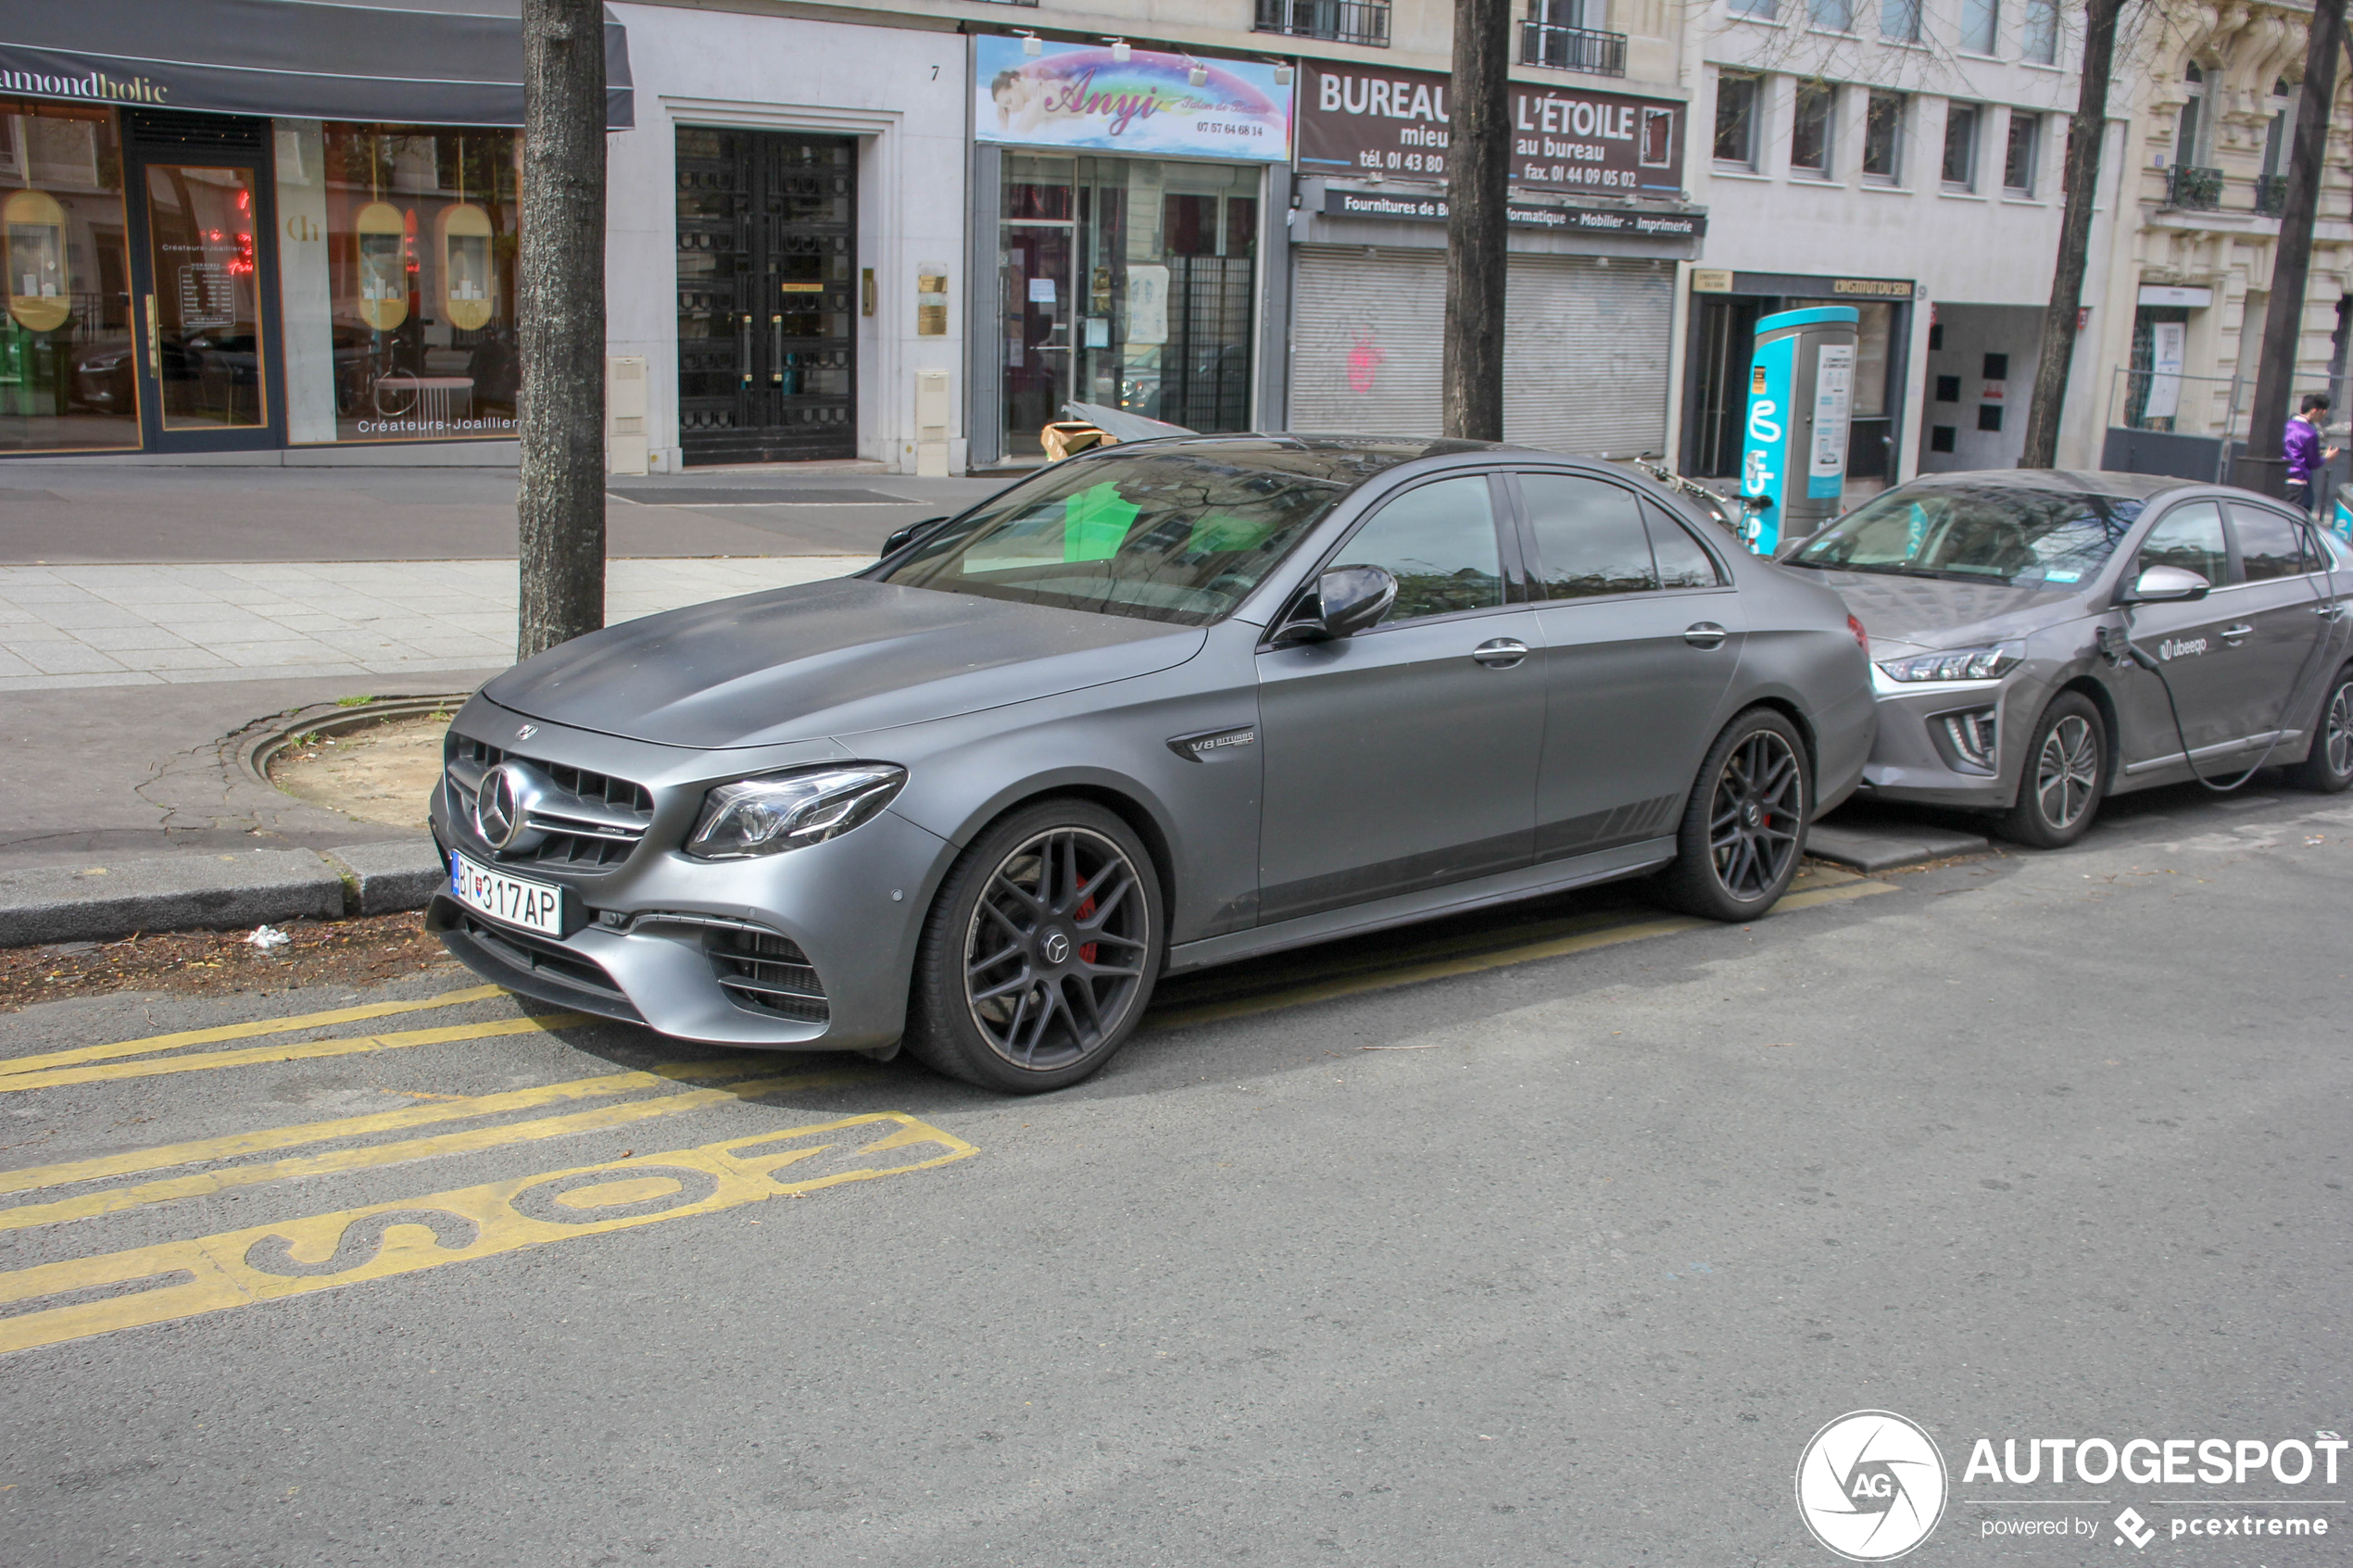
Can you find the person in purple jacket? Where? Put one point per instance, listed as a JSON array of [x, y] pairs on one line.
[[2301, 446]]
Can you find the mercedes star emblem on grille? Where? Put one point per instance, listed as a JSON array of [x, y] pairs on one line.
[[502, 806]]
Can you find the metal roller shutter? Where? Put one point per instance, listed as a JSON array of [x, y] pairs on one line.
[[1585, 352], [1370, 332]]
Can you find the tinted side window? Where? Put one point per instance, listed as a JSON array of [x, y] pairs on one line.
[[1681, 562], [2189, 537], [2270, 546], [1588, 537], [1439, 541]]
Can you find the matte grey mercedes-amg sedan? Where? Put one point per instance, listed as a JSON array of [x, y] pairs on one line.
[[1160, 706]]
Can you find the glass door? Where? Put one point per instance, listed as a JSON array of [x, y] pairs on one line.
[[1035, 251], [205, 330]]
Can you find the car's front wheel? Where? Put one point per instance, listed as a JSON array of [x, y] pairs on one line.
[[1744, 827], [2065, 777], [1039, 952], [2328, 767]]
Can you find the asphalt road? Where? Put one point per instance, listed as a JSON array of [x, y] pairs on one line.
[[1543, 1238]]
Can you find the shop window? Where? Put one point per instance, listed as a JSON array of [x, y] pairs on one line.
[[1141, 297], [1939, 438], [398, 267], [66, 351], [1948, 389], [1883, 139], [2019, 156], [1736, 114], [1810, 135], [1960, 146], [1989, 416]]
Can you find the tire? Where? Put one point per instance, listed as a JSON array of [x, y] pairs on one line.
[[2327, 769], [2065, 777], [1743, 828], [1039, 952]]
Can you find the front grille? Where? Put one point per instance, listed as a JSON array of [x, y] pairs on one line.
[[536, 955], [592, 821], [761, 970]]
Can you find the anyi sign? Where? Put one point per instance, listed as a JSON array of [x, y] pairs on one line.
[[1353, 120], [1072, 95]]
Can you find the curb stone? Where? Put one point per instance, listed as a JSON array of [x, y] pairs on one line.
[[47, 904], [388, 877]]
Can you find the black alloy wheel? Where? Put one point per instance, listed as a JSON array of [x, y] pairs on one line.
[[1039, 953], [1743, 828], [2065, 776], [2328, 767]]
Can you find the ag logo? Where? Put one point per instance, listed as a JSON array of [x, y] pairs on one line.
[[1871, 1486]]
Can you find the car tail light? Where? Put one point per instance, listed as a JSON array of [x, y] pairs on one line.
[[1862, 638]]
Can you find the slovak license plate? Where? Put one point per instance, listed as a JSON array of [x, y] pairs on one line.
[[534, 906]]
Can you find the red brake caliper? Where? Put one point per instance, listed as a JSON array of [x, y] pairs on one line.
[[1086, 911]]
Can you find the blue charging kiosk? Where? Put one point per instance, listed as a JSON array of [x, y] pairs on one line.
[[1801, 398]]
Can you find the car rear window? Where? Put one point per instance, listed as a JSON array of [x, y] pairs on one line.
[[1165, 536], [2004, 534]]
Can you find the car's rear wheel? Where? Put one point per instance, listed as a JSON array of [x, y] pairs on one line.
[[1039, 952], [2328, 767], [2065, 778], [1743, 828]]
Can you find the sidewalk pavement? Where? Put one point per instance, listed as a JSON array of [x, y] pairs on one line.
[[154, 621], [173, 623]]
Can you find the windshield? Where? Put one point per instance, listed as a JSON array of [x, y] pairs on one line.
[[2026, 538], [1167, 537]]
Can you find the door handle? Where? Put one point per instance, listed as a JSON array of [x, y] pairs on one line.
[[776, 354], [743, 348], [1704, 635], [1500, 653], [154, 347], [2233, 633]]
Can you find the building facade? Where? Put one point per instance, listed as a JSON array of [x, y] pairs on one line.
[[1902, 157], [2207, 120]]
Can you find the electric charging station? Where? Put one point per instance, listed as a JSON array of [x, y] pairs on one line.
[[1801, 396]]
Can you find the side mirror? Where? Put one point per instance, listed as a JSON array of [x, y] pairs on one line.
[[2166, 584], [1347, 601], [907, 536]]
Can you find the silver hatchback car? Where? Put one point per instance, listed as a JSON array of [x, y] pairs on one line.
[[1159, 706], [2041, 640]]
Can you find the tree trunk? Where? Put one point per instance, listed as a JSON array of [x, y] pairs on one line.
[[560, 296], [2292, 262], [2086, 132], [1477, 179]]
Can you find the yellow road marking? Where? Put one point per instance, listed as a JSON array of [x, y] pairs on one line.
[[298, 1052], [261, 1262], [245, 1031], [205, 1184], [449, 1108], [1359, 982]]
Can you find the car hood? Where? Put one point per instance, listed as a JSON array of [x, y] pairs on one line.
[[827, 658], [1904, 613]]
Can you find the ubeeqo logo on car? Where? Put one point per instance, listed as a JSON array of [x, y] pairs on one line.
[[1871, 1486]]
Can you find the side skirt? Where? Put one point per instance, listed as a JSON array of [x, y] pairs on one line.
[[1501, 887]]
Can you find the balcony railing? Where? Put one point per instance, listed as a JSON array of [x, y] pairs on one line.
[[2271, 194], [2193, 189], [1572, 48], [1340, 21]]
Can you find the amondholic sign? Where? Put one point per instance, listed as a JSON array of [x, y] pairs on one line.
[[1356, 120]]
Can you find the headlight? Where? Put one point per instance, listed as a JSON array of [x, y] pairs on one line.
[[789, 810], [1958, 664]]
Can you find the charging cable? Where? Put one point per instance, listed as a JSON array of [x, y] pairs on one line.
[[2116, 644]]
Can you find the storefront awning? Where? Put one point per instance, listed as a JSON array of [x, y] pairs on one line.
[[292, 59]]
